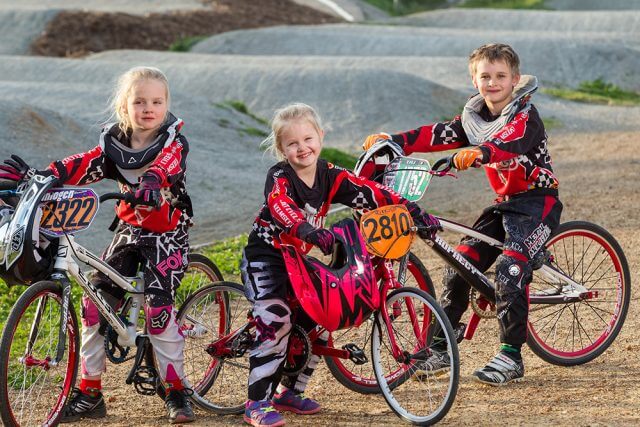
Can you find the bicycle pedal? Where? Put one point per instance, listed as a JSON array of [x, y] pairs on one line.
[[356, 355], [459, 331], [145, 380]]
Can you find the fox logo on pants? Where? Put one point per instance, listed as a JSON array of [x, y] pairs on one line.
[[160, 320]]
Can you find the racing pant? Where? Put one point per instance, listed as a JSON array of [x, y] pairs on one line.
[[525, 224], [267, 286], [162, 257]]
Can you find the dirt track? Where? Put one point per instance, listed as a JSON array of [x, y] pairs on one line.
[[599, 180]]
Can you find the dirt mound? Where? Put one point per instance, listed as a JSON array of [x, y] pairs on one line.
[[78, 33]]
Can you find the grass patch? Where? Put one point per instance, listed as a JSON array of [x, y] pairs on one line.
[[251, 131], [241, 107], [551, 123], [505, 4], [596, 92], [339, 158], [185, 44], [405, 7], [227, 254]]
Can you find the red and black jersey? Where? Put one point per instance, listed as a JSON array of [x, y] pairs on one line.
[[289, 202], [167, 160], [518, 159]]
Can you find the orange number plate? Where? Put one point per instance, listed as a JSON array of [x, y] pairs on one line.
[[67, 210], [387, 231]]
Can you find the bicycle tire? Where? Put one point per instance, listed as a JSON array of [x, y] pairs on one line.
[[591, 256], [360, 378], [428, 397], [39, 391], [219, 385]]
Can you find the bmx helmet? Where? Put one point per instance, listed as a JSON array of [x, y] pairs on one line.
[[372, 162], [339, 295]]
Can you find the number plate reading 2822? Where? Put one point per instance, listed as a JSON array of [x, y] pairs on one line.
[[67, 210]]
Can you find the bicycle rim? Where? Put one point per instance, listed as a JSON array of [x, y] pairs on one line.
[[361, 378], [219, 384], [30, 392], [427, 397], [199, 272], [577, 332]]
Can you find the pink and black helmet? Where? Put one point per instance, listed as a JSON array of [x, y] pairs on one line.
[[342, 294]]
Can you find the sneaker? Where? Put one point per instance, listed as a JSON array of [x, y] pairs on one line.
[[288, 400], [437, 364], [262, 414], [500, 370], [179, 407], [82, 405]]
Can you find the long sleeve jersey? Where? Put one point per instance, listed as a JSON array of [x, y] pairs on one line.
[[290, 203], [103, 162], [516, 158]]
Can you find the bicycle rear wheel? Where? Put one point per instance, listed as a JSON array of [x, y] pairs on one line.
[[427, 398], [578, 332], [360, 378], [199, 272], [211, 313], [32, 390]]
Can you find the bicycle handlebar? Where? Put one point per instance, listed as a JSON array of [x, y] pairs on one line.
[[126, 197], [438, 169]]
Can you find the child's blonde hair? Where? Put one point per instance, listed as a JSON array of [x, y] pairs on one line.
[[123, 88], [495, 52], [281, 118]]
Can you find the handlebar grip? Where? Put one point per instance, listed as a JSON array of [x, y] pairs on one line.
[[126, 197], [437, 166]]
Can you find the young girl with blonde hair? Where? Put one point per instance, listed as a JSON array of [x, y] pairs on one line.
[[145, 153], [298, 193]]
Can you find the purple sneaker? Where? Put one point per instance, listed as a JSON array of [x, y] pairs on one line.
[[288, 400], [261, 413]]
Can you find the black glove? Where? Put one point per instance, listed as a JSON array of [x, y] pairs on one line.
[[428, 225], [320, 237], [148, 192], [16, 169]]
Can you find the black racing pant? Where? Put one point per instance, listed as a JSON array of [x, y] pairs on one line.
[[525, 224], [267, 286]]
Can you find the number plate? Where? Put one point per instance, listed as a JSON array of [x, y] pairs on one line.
[[408, 177], [67, 210], [387, 231]]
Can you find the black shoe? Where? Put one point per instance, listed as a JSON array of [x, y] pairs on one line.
[[82, 405], [179, 407]]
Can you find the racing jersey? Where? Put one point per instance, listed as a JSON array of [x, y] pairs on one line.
[[290, 203], [169, 164], [516, 158]]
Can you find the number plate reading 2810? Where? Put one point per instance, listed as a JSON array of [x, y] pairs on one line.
[[67, 210], [387, 231]]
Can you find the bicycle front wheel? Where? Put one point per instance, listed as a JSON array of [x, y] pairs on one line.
[[577, 332], [413, 315], [360, 378], [33, 388], [209, 316]]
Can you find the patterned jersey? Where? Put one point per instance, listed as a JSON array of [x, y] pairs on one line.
[[170, 164], [290, 203], [518, 159]]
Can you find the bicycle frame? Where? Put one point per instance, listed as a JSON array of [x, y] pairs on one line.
[[65, 263], [482, 284]]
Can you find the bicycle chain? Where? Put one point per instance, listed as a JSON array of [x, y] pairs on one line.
[[111, 337], [488, 313]]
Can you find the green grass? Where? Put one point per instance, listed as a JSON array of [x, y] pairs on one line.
[[241, 107], [405, 7], [251, 131], [596, 92], [226, 254], [339, 158], [505, 4], [185, 44], [551, 123]]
